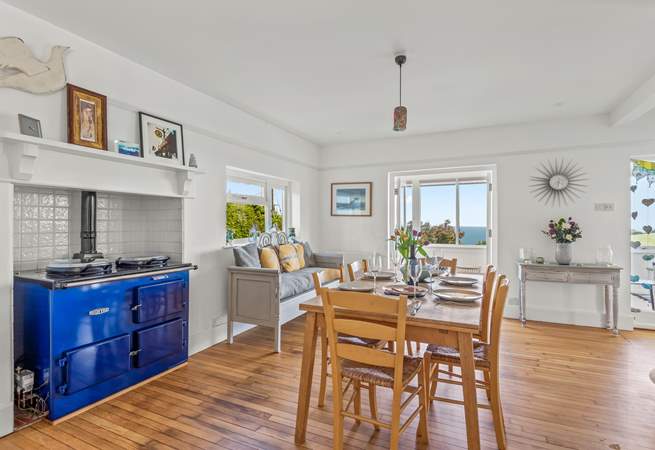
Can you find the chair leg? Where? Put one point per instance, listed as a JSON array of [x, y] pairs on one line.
[[230, 331], [410, 351], [488, 382], [395, 418], [433, 383], [324, 364], [497, 409], [357, 386], [450, 369], [373, 403], [278, 338], [423, 383], [337, 405], [418, 347], [391, 346]]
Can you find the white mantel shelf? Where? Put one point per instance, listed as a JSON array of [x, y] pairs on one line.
[[23, 154]]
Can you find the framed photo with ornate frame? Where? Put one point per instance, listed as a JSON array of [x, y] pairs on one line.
[[87, 118], [161, 140], [351, 199]]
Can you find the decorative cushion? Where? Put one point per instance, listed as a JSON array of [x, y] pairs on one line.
[[382, 376], [246, 255], [310, 261], [268, 258], [300, 251], [288, 257]]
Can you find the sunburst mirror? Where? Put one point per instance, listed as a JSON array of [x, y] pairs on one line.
[[558, 182]]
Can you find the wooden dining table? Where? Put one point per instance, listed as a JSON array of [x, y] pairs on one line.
[[436, 322]]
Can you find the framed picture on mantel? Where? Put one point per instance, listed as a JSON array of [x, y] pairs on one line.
[[87, 118], [351, 199], [161, 140]]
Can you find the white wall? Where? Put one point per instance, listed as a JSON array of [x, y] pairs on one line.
[[515, 151], [216, 132]]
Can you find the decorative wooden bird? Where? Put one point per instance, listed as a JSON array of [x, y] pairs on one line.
[[26, 72]]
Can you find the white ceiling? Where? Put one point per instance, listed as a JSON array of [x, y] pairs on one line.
[[325, 70]]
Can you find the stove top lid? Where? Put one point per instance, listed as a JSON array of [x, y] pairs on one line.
[[142, 259], [76, 263]]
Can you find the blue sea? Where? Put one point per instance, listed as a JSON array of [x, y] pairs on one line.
[[473, 235]]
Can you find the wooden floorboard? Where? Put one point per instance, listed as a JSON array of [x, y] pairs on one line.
[[562, 387]]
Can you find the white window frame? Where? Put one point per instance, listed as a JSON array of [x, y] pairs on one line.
[[268, 183]]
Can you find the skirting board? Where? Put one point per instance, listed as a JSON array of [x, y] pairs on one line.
[[113, 396], [206, 338], [582, 318]]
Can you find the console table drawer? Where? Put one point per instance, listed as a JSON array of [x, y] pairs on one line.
[[590, 277], [542, 275]]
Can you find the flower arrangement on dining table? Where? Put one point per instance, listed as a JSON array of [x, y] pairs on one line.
[[408, 242], [563, 231]]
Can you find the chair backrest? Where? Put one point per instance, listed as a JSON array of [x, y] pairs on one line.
[[500, 297], [343, 302], [449, 263], [357, 267], [326, 276], [487, 302]]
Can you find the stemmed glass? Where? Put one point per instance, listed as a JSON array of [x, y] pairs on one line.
[[395, 261], [415, 271], [375, 267]]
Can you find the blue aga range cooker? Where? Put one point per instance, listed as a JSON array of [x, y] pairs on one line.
[[89, 327], [88, 336]]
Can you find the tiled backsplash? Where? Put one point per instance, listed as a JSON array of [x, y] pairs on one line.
[[47, 226]]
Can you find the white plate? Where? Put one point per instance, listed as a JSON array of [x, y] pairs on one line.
[[457, 295], [381, 275], [356, 286], [459, 281]]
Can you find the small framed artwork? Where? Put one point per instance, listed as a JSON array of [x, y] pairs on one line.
[[351, 199], [29, 126], [161, 139], [126, 148], [87, 118]]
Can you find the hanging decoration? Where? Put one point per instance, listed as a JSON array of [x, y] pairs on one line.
[[400, 112], [634, 215], [648, 201]]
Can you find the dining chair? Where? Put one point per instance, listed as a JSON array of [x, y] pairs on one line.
[[485, 355], [377, 367], [357, 269], [449, 264], [320, 279]]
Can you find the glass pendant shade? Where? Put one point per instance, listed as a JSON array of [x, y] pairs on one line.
[[399, 118]]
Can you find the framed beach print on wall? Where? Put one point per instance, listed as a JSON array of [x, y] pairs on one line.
[[87, 118], [161, 140], [351, 199]]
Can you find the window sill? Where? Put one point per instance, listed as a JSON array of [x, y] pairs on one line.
[[236, 244], [462, 246]]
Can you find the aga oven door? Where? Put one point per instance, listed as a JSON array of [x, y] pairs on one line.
[[158, 300], [92, 364], [158, 342]]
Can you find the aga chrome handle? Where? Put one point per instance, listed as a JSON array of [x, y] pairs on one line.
[[136, 307], [135, 352]]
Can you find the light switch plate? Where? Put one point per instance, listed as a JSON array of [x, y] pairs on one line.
[[604, 207]]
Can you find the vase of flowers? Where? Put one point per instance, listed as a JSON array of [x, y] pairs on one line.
[[564, 232], [407, 242]]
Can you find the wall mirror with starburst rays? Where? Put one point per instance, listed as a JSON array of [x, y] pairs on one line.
[[558, 182]]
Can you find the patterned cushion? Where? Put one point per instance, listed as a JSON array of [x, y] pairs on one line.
[[451, 355], [288, 257], [382, 376], [268, 258], [310, 261], [246, 255]]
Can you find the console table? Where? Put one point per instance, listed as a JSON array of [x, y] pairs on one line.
[[608, 276]]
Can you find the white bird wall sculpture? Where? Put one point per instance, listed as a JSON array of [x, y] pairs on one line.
[[19, 69]]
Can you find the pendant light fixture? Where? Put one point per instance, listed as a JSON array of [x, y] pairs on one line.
[[400, 112]]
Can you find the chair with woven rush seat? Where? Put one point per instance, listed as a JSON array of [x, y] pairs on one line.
[[357, 269], [320, 279], [486, 355], [377, 367]]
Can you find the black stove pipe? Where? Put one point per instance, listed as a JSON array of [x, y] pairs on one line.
[[88, 250], [88, 233]]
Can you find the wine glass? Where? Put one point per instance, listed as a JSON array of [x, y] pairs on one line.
[[415, 271], [375, 267], [395, 261]]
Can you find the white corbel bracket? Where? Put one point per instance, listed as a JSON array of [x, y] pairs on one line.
[[22, 158], [186, 185]]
